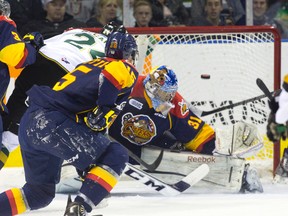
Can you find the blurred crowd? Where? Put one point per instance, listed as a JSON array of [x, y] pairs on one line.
[[52, 17]]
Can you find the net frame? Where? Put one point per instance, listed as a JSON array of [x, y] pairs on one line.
[[225, 30]]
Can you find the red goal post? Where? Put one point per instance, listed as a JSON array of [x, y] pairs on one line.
[[233, 56]]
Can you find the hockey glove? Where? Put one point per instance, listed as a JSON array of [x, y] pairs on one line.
[[276, 131], [273, 104], [98, 120], [35, 39]]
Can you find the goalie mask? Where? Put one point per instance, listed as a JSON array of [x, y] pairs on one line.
[[5, 8], [161, 86]]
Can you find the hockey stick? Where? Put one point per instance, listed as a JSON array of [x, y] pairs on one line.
[[164, 188], [151, 167], [264, 88], [205, 113]]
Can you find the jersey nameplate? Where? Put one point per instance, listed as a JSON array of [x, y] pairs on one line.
[[136, 104]]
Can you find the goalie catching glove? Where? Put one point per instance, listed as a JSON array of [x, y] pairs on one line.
[[244, 140], [35, 39], [99, 120]]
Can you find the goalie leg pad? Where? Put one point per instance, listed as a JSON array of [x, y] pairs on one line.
[[225, 172], [70, 182]]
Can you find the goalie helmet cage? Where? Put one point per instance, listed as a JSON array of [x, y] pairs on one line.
[[233, 56]]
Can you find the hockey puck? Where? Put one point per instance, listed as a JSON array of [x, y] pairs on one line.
[[205, 76]]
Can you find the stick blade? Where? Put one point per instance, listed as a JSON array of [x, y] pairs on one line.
[[264, 88], [194, 177]]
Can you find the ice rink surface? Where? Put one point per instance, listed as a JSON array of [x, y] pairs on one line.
[[130, 198]]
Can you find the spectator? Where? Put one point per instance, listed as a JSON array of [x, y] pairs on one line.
[[281, 19], [81, 10], [233, 8], [129, 19], [56, 21], [142, 13], [107, 12], [169, 13], [212, 11], [259, 12], [274, 6], [24, 11], [119, 13]]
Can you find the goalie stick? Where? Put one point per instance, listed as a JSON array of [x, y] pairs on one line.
[[151, 167], [162, 187]]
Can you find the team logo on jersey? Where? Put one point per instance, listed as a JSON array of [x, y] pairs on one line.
[[183, 107], [114, 44], [138, 129]]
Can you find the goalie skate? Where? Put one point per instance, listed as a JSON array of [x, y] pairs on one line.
[[251, 182]]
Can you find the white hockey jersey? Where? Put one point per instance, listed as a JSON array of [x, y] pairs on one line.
[[281, 116], [74, 47]]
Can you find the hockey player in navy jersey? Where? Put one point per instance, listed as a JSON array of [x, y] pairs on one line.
[[15, 52], [52, 63], [68, 123]]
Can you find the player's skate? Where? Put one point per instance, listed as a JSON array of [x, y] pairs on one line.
[[74, 208], [250, 180]]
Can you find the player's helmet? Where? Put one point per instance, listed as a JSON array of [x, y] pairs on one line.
[[121, 46], [161, 86], [111, 27], [5, 8]]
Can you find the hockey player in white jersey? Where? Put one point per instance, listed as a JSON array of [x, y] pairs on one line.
[[60, 55], [277, 127]]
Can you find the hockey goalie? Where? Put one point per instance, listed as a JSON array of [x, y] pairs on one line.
[[157, 117]]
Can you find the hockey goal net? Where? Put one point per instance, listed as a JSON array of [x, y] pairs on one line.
[[233, 57]]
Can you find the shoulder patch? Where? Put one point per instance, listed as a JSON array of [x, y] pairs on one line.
[[181, 109]]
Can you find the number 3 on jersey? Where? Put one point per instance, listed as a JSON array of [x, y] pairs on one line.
[[194, 122]]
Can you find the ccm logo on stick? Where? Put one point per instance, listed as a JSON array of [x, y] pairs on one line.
[[143, 179]]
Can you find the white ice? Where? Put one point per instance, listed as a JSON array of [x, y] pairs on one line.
[[130, 198]]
